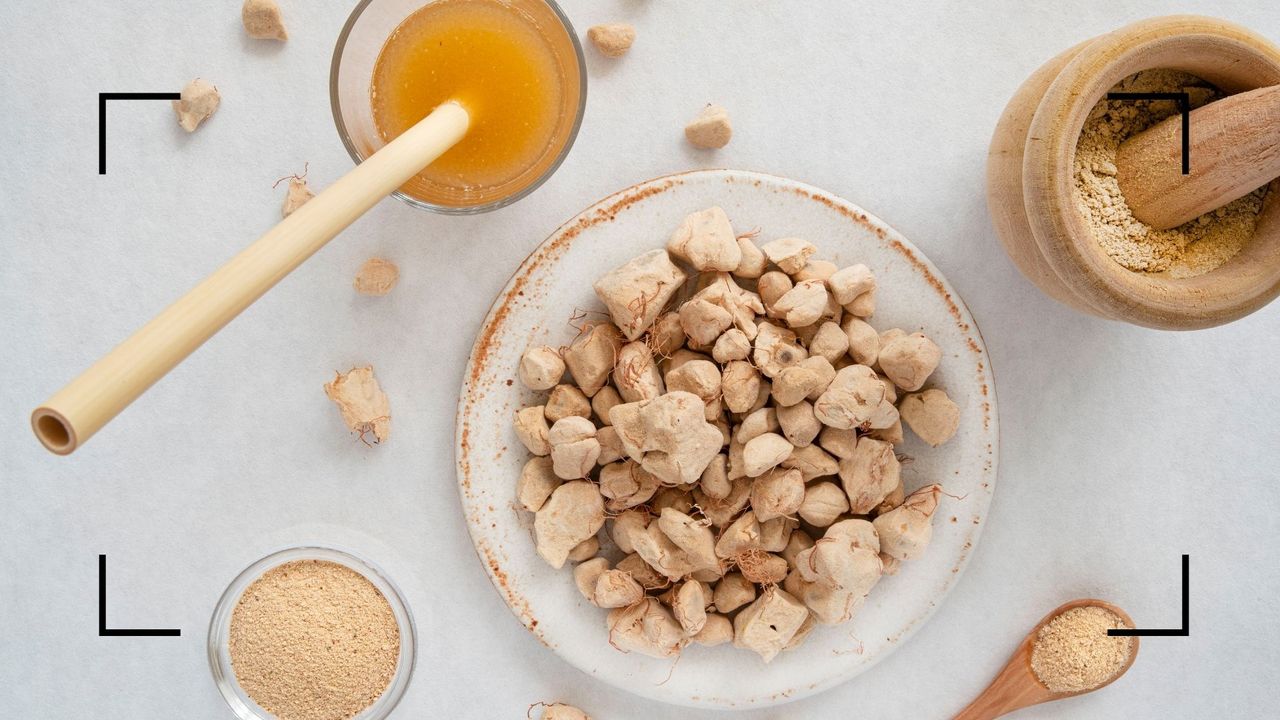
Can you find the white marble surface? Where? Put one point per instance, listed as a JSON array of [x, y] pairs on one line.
[[1122, 447]]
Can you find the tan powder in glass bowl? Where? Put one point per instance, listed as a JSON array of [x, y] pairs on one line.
[[313, 640], [1073, 651]]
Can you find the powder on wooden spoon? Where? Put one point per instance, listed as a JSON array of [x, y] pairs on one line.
[[1073, 651], [313, 640]]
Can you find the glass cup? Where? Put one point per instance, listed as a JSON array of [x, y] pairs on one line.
[[220, 629], [350, 80]]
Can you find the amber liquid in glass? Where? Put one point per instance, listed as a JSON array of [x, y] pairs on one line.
[[493, 59]]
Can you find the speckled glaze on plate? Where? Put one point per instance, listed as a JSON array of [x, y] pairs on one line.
[[554, 283]]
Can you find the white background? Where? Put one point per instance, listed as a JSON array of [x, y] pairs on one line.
[[1122, 447]]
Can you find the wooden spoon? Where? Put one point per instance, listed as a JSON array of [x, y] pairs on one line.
[[73, 414], [1234, 149], [1017, 686]]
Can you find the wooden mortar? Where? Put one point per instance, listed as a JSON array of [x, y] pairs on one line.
[[1031, 188]]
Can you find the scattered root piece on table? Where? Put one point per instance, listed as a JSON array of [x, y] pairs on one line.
[[365, 408], [376, 277], [262, 20], [199, 100], [711, 130], [612, 39]]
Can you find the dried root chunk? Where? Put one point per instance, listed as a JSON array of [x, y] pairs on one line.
[[666, 336], [532, 429], [732, 592], [799, 425], [566, 401], [789, 254], [803, 304], [717, 630], [761, 567], [775, 532], [863, 341], [657, 550], [757, 423], [772, 286], [796, 544], [627, 485], [839, 442], [714, 482], [647, 628], [636, 292], [829, 341], [610, 446], [584, 550], [574, 447], [870, 474], [592, 355], [689, 606], [863, 306], [605, 399], [297, 195], [753, 260], [768, 624], [910, 360], [636, 567], [706, 241], [776, 494], [615, 589], [701, 378], [612, 39], [905, 531], [721, 512], [365, 408], [574, 512], [711, 130], [262, 20], [587, 574], [809, 377], [670, 436], [852, 398], [626, 526], [536, 483], [693, 537], [823, 504], [741, 385], [812, 462], [742, 305], [848, 284], [540, 368], [703, 322], [636, 374], [816, 270], [765, 452], [199, 100], [740, 537], [931, 415], [731, 345], [560, 711], [776, 349]]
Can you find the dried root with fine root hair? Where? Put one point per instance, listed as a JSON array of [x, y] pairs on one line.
[[733, 426]]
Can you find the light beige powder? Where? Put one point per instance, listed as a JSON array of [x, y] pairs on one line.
[[313, 640], [1191, 249], [1073, 652]]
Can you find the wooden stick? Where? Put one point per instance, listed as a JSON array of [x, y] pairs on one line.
[[80, 409], [1234, 149]]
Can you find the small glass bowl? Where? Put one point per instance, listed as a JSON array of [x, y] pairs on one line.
[[220, 629], [351, 74]]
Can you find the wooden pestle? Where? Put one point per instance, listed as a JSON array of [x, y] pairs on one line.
[[1234, 150], [77, 411]]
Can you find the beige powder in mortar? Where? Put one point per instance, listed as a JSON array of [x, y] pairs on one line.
[[313, 640], [1073, 652], [1191, 249]]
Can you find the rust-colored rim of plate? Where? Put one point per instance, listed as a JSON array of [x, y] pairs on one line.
[[607, 209]]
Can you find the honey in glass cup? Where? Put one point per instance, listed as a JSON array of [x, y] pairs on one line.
[[515, 65]]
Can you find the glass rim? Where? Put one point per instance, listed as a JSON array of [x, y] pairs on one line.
[[240, 702], [335, 105]]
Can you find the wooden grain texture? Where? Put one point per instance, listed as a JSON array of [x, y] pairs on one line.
[[1234, 149], [80, 409], [1016, 686], [1032, 198]]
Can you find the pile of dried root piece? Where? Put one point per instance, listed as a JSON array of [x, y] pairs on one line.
[[733, 429]]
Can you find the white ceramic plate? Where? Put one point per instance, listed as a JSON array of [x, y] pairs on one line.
[[536, 307]]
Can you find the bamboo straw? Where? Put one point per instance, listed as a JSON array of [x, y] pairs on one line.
[[80, 409]]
